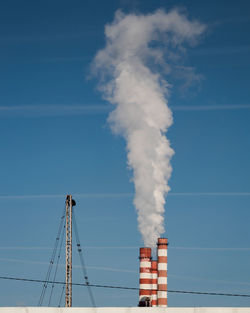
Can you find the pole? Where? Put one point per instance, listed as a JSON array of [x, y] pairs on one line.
[[68, 291]]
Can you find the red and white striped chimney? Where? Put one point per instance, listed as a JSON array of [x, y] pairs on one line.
[[154, 272], [145, 275], [162, 271]]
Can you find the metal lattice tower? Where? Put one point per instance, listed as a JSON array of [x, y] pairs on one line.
[[68, 287]]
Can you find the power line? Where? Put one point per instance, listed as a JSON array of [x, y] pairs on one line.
[[57, 264], [61, 296], [79, 249], [124, 288], [52, 259]]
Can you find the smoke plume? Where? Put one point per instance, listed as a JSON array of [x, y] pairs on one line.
[[139, 50]]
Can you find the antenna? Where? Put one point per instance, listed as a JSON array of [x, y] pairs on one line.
[[68, 288]]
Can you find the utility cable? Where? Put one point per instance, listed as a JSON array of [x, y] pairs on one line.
[[61, 296], [125, 288], [57, 263], [45, 285], [85, 275]]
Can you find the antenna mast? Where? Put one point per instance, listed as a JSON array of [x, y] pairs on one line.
[[68, 292]]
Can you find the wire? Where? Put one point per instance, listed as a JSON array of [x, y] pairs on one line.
[[85, 275], [57, 263], [60, 300], [125, 288], [45, 285]]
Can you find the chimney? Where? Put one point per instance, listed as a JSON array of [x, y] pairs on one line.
[[145, 277], [154, 272], [162, 271]]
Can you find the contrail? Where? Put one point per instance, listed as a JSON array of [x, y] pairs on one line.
[[76, 110], [132, 248], [214, 107], [56, 196], [131, 80], [123, 195], [101, 268], [52, 110], [209, 280], [207, 194], [210, 249]]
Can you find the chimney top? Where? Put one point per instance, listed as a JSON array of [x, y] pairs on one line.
[[145, 252], [154, 265], [162, 241]]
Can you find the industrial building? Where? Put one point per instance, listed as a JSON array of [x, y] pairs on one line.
[[153, 276], [152, 283]]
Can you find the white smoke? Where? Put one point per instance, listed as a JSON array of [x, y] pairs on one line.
[[141, 113]]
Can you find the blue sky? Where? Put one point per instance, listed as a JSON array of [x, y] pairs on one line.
[[55, 140]]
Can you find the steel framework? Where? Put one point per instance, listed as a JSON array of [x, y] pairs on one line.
[[68, 286]]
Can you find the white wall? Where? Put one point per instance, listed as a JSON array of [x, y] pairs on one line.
[[122, 310]]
